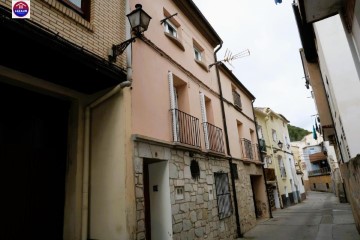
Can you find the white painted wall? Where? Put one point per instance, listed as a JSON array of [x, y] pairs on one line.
[[107, 172], [160, 204], [343, 84]]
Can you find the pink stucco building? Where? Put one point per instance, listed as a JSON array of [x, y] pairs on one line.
[[190, 123]]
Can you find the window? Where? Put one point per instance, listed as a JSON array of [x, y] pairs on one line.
[[82, 7], [76, 2], [170, 29], [282, 167], [223, 195], [197, 54], [274, 136], [237, 100], [260, 133]]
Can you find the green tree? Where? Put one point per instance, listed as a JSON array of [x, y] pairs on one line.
[[296, 133]]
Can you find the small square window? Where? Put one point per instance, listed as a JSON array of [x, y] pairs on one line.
[[179, 193], [197, 54], [82, 7], [170, 28]]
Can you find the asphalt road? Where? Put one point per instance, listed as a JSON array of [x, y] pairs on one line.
[[319, 217]]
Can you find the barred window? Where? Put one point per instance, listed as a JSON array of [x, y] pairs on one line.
[[223, 195]]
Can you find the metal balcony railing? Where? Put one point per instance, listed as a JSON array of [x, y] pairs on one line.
[[321, 171], [215, 137], [246, 149], [256, 152], [185, 128]]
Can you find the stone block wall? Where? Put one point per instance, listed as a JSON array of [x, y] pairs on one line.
[[195, 216], [245, 196], [351, 175], [321, 183]]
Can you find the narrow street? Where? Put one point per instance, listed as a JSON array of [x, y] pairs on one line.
[[319, 217]]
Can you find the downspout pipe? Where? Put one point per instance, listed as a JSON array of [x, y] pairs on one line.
[[262, 159], [128, 81], [238, 228]]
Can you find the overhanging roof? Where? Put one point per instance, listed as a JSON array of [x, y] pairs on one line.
[[189, 8], [306, 32], [32, 49], [316, 10], [235, 80]]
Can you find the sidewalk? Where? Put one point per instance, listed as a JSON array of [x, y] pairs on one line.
[[319, 217]]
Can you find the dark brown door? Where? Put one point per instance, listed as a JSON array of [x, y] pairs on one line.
[[33, 147], [253, 182]]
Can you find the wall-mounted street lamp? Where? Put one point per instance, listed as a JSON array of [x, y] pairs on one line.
[[139, 22], [280, 145]]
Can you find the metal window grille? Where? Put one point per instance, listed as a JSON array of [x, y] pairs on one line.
[[223, 195]]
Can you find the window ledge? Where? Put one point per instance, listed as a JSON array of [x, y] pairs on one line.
[[175, 40], [68, 12], [238, 107], [202, 64]]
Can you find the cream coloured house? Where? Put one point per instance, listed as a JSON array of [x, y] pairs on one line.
[[282, 181]]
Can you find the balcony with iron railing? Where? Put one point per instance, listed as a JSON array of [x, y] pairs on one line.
[[213, 137], [249, 151], [186, 128], [319, 172]]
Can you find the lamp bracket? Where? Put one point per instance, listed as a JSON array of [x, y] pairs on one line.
[[163, 20], [118, 49]]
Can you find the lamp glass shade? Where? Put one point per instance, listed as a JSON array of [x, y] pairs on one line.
[[280, 144], [139, 20]]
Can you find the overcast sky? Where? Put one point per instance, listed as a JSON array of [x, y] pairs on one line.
[[273, 72]]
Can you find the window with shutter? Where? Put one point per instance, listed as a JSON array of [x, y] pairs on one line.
[[204, 119]]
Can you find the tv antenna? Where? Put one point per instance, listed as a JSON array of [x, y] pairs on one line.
[[229, 57]]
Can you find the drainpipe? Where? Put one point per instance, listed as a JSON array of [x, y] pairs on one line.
[[85, 230], [262, 159], [238, 229], [128, 81]]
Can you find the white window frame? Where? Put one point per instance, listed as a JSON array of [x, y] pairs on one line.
[[197, 54], [260, 132], [170, 29], [274, 136]]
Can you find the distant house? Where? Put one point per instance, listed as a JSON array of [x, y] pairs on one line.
[[282, 181]]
